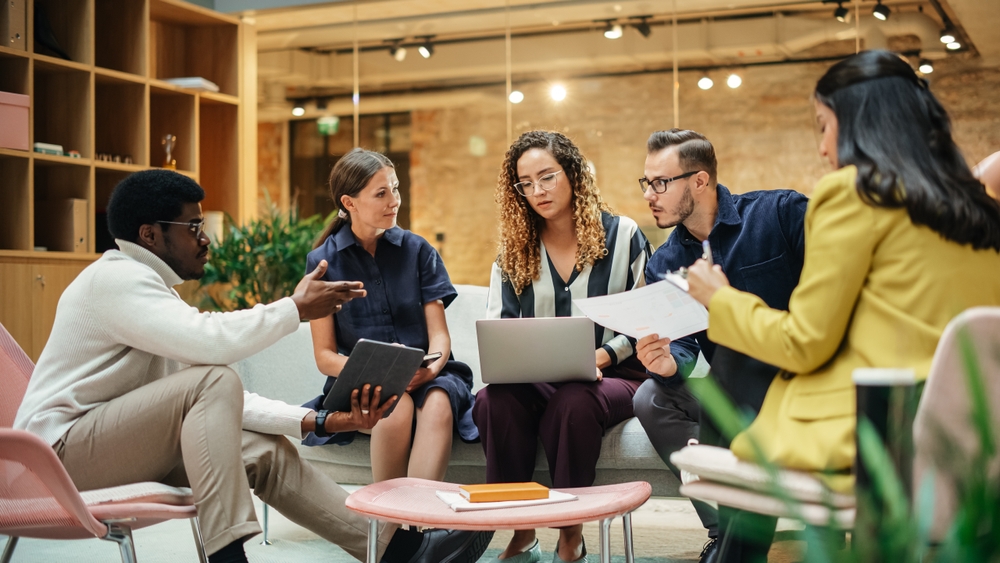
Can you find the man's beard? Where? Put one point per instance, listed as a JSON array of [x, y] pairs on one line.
[[683, 210]]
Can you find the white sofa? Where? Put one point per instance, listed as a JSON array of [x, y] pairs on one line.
[[287, 371]]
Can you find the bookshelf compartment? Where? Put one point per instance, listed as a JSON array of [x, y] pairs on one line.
[[172, 113], [63, 107], [104, 183], [57, 227], [119, 38], [71, 23], [219, 155], [14, 74], [120, 119], [208, 48], [15, 228]]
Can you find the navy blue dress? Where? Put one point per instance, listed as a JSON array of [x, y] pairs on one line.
[[405, 273]]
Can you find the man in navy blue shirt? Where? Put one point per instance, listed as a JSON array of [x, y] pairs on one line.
[[758, 240]]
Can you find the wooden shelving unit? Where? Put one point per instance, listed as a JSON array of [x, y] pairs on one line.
[[112, 98]]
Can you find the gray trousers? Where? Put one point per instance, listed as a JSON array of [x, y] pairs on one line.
[[670, 417], [186, 430]]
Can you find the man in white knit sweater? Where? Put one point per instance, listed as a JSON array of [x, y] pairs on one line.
[[132, 386]]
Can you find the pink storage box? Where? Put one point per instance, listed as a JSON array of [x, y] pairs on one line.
[[14, 121]]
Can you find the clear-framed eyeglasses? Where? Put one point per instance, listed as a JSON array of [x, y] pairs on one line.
[[545, 183], [195, 227], [659, 185]]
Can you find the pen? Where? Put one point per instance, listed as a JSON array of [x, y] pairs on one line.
[[707, 252]]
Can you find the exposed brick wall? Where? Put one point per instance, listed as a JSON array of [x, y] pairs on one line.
[[763, 133]]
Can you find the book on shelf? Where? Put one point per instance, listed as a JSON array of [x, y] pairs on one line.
[[194, 83]]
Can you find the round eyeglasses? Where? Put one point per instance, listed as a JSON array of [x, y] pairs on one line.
[[544, 184], [659, 185]]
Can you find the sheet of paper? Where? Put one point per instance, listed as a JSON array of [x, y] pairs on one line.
[[458, 503], [659, 308]]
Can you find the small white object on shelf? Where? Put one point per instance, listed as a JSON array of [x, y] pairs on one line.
[[195, 83], [458, 503], [49, 148]]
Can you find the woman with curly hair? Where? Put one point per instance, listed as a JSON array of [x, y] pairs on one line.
[[558, 242]]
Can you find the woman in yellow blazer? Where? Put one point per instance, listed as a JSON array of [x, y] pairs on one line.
[[899, 240]]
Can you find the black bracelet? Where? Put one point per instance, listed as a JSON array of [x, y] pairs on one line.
[[321, 424]]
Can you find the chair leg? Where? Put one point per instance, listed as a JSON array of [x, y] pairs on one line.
[[372, 540], [199, 541], [606, 540], [266, 515], [8, 550], [122, 535], [627, 525]]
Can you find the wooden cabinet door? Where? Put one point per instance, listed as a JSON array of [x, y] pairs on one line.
[[49, 280], [16, 304]]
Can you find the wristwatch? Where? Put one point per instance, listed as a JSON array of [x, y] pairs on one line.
[[321, 424]]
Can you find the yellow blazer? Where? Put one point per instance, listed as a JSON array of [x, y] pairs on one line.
[[875, 291]]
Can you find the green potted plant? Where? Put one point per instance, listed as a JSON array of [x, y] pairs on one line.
[[259, 262]]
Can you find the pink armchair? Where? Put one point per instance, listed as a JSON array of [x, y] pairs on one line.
[[38, 498]]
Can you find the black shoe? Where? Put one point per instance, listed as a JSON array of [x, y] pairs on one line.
[[452, 546], [710, 553]]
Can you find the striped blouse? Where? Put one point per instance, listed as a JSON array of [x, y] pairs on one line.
[[548, 296]]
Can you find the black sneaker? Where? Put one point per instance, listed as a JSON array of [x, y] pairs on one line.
[[452, 546], [710, 553]]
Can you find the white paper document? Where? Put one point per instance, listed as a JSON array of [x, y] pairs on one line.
[[458, 503], [659, 308]]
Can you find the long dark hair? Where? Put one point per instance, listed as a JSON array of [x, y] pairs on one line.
[[898, 135], [349, 176]]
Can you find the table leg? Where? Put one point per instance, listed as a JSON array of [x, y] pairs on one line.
[[372, 540], [627, 525], [606, 540]]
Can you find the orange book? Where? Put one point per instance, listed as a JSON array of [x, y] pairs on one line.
[[504, 491]]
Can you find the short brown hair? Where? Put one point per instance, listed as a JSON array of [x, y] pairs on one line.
[[694, 150]]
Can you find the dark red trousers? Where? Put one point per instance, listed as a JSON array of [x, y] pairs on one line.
[[569, 418]]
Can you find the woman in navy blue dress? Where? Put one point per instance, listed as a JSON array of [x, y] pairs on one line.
[[408, 290]]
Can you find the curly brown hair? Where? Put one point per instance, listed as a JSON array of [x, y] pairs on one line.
[[519, 252]]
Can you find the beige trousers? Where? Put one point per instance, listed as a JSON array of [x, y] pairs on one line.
[[186, 430]]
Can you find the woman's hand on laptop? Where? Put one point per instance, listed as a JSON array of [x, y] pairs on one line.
[[654, 353]]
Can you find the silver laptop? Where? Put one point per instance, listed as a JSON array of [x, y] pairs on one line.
[[543, 350]]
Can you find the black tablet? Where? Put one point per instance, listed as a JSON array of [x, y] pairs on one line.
[[375, 363]]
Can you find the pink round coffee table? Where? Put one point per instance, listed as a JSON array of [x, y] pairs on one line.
[[414, 502]]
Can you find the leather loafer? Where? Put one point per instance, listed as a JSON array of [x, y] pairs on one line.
[[710, 553], [452, 546]]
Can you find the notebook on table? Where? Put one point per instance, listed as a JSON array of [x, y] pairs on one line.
[[536, 350]]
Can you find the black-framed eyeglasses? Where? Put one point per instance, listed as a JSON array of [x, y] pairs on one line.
[[195, 227], [659, 185]]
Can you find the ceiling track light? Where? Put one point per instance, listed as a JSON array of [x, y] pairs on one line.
[[613, 30], [734, 81], [881, 11], [925, 66], [398, 52], [320, 104], [948, 35], [299, 109], [954, 46], [426, 49], [643, 26], [516, 97], [705, 83], [841, 13]]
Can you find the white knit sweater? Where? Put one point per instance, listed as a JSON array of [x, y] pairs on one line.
[[120, 325]]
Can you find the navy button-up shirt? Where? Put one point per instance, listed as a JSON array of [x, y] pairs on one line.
[[759, 241], [405, 273]]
